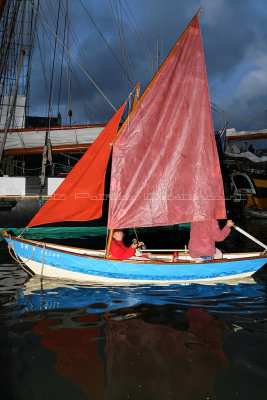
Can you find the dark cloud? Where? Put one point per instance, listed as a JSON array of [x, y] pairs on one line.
[[234, 38]]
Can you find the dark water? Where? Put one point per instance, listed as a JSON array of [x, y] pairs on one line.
[[70, 341]]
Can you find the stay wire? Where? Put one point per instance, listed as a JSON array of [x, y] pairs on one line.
[[73, 57], [83, 58], [61, 69], [254, 120], [138, 32], [124, 48], [105, 41], [239, 117], [53, 70], [33, 35], [68, 62], [74, 76]]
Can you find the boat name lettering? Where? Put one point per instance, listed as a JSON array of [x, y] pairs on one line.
[[51, 253]]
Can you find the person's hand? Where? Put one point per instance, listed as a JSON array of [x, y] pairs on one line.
[[229, 223], [137, 244]]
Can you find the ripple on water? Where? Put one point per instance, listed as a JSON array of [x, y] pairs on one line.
[[34, 294], [12, 278]]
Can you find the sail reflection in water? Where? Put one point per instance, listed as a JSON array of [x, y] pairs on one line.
[[131, 342], [149, 359]]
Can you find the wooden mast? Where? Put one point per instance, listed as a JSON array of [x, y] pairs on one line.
[[12, 106], [110, 237], [136, 95], [111, 232]]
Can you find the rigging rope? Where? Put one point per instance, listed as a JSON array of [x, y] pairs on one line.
[[16, 258], [80, 89], [68, 62], [255, 120], [105, 41], [124, 49], [43, 65], [239, 117], [77, 83], [52, 75], [61, 69], [72, 56], [33, 35], [138, 32]]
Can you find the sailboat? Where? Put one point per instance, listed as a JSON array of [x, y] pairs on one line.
[[165, 171]]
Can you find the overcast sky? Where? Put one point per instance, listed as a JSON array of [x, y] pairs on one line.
[[234, 34]]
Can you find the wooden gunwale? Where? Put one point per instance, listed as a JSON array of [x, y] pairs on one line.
[[48, 246]]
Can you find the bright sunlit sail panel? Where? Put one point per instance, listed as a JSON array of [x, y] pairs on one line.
[[165, 167]]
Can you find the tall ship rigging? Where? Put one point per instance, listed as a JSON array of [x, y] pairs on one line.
[[37, 152]]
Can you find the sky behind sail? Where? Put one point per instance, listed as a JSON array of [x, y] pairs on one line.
[[234, 35]]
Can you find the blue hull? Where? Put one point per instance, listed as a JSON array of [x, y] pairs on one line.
[[43, 259]]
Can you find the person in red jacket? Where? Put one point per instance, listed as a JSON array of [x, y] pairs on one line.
[[118, 250], [203, 235]]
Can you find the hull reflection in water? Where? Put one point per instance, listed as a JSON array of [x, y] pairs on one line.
[[133, 342], [45, 293]]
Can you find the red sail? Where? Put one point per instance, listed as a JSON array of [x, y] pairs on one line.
[[80, 196], [165, 167]]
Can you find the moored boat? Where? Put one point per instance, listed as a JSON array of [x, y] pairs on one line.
[[245, 170]]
